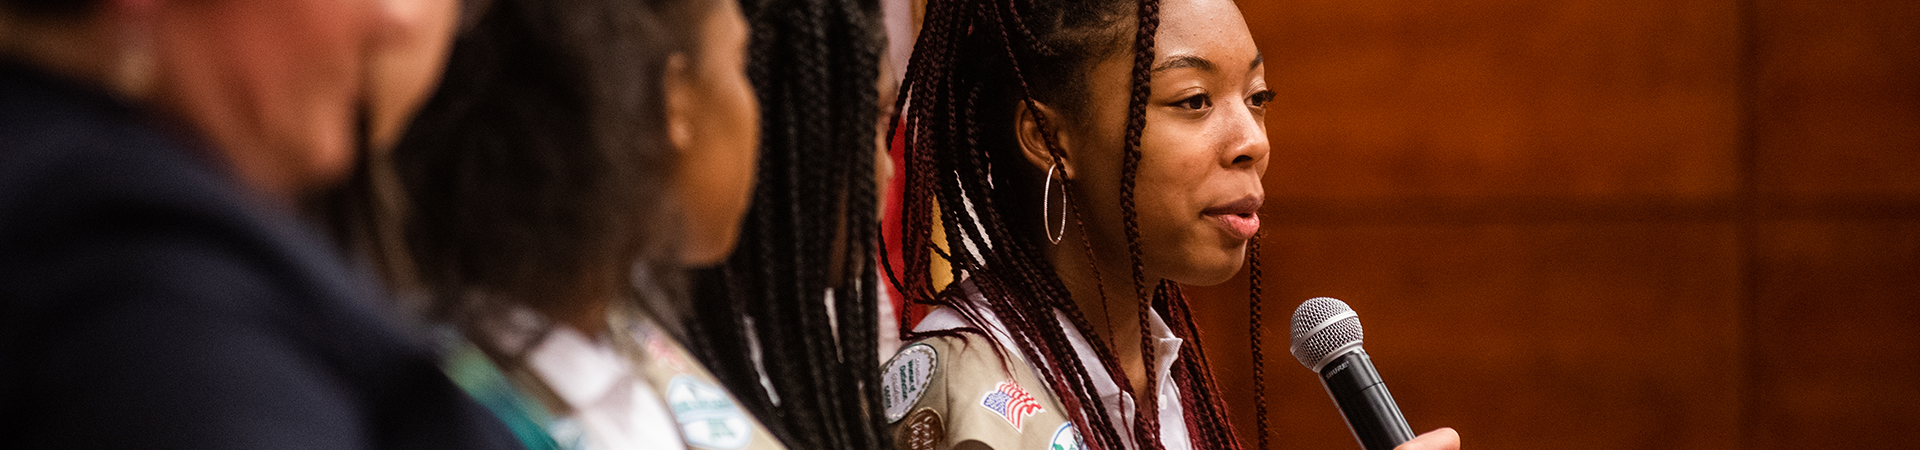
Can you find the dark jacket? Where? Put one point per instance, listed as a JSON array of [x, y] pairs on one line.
[[148, 300]]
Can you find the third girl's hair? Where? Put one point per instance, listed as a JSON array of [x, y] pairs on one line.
[[976, 62], [813, 64]]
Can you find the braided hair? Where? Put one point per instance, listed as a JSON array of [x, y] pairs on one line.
[[976, 63], [813, 65]]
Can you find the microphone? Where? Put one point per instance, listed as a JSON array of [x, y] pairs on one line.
[[1326, 339]]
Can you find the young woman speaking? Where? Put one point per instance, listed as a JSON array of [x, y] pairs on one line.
[[1084, 159]]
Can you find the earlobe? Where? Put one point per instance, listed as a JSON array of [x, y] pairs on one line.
[[1032, 137], [678, 87]]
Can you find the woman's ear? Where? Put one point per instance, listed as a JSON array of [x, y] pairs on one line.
[[1033, 139], [679, 98]]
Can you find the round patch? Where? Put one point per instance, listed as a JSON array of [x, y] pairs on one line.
[[1067, 438], [708, 417], [922, 432], [905, 379]]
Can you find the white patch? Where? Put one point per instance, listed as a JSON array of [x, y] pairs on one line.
[[906, 378], [707, 415], [1067, 438]]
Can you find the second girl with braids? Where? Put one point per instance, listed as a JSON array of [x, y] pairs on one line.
[[789, 323], [1083, 159]]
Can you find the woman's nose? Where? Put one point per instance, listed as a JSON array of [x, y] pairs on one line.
[[1247, 132]]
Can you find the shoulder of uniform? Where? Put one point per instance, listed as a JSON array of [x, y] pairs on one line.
[[958, 391], [923, 371], [906, 378]]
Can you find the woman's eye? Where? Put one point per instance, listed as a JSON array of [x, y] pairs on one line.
[[1260, 99], [1197, 102]]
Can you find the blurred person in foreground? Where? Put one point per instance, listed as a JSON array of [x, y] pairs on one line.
[[157, 287]]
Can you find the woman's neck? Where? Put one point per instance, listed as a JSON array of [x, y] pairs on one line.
[[1104, 292], [586, 314]]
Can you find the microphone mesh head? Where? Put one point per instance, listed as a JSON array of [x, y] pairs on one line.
[[1322, 326]]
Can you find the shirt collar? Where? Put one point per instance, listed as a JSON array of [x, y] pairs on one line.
[[581, 370], [1119, 403], [1166, 350]]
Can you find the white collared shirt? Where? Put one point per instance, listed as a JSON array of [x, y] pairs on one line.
[[1119, 403], [615, 407]]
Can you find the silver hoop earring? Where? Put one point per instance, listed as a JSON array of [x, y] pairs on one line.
[[1046, 198]]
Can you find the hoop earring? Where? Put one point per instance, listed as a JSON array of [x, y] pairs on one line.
[[1046, 198]]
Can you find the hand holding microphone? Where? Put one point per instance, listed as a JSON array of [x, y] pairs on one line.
[[1326, 338]]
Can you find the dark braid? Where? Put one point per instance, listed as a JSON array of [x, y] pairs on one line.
[[813, 64], [928, 78], [1148, 423], [1254, 334], [1206, 413], [975, 63]]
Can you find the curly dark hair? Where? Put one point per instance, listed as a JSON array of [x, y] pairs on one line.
[[537, 174]]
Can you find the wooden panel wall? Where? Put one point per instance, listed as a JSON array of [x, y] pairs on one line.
[[1600, 224]]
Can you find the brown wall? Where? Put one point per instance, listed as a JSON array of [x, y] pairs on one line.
[[1595, 223]]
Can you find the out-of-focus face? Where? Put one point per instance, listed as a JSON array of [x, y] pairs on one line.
[[1203, 151], [282, 84], [402, 73], [717, 133]]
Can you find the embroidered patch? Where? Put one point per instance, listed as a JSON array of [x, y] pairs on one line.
[[1066, 438], [923, 431], [708, 417], [905, 379], [659, 349], [1011, 403]]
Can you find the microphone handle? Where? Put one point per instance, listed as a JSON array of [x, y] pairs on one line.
[[1362, 396]]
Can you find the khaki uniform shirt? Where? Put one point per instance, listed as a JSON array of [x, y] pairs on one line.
[[708, 416], [958, 393]]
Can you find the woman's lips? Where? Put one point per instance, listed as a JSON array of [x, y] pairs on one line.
[[1240, 219], [1239, 226]]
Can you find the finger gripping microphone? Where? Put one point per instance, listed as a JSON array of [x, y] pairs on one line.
[[1326, 339]]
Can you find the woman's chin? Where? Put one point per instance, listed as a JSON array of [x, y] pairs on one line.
[[1213, 270]]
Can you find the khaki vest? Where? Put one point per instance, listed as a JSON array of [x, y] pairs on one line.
[[708, 415], [957, 393]]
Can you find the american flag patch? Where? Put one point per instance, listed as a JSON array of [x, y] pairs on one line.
[[1011, 403]]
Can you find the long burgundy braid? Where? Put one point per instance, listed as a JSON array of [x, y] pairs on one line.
[[1146, 422], [1254, 335], [1206, 416]]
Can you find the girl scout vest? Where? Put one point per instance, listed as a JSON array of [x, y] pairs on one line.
[[956, 393]]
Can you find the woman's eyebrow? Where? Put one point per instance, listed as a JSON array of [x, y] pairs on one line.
[[1185, 61], [1258, 59]]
